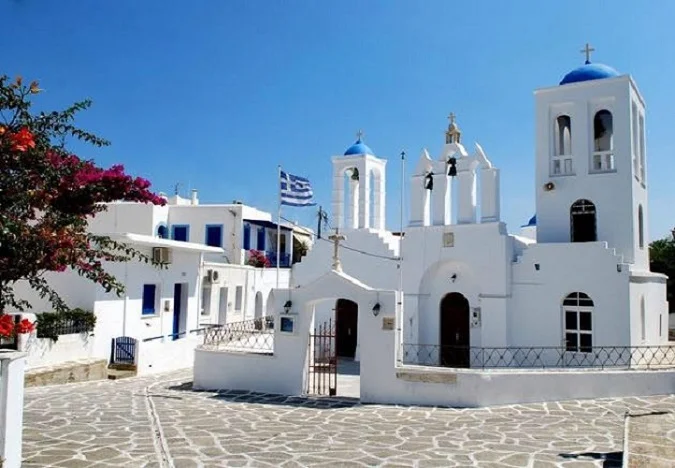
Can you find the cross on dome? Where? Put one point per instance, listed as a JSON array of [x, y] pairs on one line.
[[453, 134], [587, 50], [359, 135]]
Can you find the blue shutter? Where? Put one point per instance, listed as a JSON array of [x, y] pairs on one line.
[[247, 237], [214, 236], [149, 291], [261, 239], [180, 233]]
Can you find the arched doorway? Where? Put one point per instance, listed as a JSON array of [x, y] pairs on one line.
[[258, 305], [583, 222], [346, 323], [454, 331]]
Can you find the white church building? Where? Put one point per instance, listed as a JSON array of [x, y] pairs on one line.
[[572, 290]]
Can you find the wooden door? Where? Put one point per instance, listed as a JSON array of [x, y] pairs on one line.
[[454, 339], [346, 323]]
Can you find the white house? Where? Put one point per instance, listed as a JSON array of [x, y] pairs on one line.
[[572, 289], [207, 282]]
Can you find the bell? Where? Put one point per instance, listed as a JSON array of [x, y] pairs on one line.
[[429, 181], [452, 170]]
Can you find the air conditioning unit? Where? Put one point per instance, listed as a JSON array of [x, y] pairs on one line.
[[161, 254], [212, 276]]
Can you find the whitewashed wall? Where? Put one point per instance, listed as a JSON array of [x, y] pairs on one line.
[[11, 407], [166, 355], [44, 351]]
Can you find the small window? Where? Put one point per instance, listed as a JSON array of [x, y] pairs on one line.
[[206, 300], [238, 298], [162, 232], [180, 233], [641, 228], [578, 322], [247, 237], [214, 235], [149, 299]]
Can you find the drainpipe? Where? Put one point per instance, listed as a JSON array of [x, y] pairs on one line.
[[126, 299], [200, 278]]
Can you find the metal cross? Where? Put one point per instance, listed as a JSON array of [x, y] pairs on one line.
[[452, 117], [336, 238], [359, 135], [587, 50]]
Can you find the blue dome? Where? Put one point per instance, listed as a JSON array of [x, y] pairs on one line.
[[588, 72], [531, 222], [359, 148]]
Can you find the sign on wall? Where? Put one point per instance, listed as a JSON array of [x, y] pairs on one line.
[[448, 239], [475, 317], [388, 323]]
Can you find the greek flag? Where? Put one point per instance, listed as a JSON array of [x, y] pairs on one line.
[[295, 190]]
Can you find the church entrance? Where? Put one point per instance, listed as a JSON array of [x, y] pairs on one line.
[[582, 222], [454, 331], [346, 322]]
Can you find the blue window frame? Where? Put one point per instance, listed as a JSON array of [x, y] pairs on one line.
[[162, 232], [261, 238], [180, 232], [214, 235], [247, 237], [149, 299]]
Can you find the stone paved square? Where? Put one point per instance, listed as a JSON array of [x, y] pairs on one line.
[[159, 421]]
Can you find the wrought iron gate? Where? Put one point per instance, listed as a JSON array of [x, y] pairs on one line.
[[322, 361], [123, 350]]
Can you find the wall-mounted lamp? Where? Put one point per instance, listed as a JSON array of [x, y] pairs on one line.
[[452, 169], [453, 278], [287, 306], [376, 309]]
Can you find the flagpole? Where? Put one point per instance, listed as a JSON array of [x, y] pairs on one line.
[[278, 222]]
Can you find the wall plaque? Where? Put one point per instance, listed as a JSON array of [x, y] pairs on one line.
[[388, 323], [448, 239]]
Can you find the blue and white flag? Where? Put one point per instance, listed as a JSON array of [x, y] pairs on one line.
[[295, 190]]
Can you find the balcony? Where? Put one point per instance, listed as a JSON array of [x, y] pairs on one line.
[[267, 259], [284, 259]]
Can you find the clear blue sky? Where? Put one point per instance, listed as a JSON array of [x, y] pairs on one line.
[[214, 94]]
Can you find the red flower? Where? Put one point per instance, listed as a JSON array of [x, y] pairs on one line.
[[25, 326], [6, 326], [22, 140]]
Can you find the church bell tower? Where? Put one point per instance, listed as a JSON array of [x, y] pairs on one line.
[[359, 188], [591, 179]]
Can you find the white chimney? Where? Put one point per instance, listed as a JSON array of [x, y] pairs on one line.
[[194, 200]]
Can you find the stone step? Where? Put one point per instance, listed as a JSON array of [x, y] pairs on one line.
[[81, 370], [116, 374]]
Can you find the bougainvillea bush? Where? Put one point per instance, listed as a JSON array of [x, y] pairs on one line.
[[257, 258], [47, 194]]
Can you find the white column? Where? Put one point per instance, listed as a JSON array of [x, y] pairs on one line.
[[364, 198], [441, 200], [12, 365], [338, 199], [466, 192], [489, 197], [353, 213]]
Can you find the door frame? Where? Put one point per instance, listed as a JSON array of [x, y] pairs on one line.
[[352, 306], [450, 353]]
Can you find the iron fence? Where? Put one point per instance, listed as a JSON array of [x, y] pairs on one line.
[[255, 335], [540, 357], [63, 327]]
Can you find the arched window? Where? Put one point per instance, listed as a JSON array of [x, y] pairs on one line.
[[583, 222], [578, 322], [162, 232], [641, 228], [603, 141], [563, 136]]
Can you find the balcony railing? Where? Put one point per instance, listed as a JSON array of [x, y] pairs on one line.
[[540, 357], [284, 259], [255, 335]]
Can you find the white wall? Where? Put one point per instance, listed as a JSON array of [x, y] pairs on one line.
[[122, 217], [44, 351], [166, 355], [198, 216], [11, 407]]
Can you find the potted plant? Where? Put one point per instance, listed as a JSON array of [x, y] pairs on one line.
[[23, 330]]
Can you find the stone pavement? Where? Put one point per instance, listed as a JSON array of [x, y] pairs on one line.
[[159, 421], [651, 440]]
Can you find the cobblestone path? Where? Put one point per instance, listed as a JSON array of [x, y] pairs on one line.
[[159, 421]]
